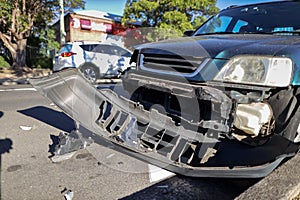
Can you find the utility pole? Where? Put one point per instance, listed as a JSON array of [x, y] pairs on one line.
[[62, 23]]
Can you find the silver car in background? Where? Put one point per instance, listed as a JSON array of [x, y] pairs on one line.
[[94, 59]]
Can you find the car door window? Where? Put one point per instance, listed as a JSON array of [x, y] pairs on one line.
[[105, 49], [88, 47], [121, 52]]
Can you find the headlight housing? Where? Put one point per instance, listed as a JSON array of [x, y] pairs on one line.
[[257, 70]]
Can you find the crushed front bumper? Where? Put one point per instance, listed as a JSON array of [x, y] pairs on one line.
[[155, 138]]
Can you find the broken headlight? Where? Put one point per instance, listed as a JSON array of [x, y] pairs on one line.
[[257, 70]]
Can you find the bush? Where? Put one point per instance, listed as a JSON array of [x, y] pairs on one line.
[[42, 62], [3, 63]]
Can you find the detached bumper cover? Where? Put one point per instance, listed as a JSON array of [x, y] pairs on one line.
[[155, 138]]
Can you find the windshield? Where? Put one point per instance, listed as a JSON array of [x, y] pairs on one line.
[[279, 17]]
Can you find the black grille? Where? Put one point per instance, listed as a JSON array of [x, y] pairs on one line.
[[171, 63]]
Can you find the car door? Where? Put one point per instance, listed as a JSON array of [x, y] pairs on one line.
[[119, 59], [102, 58], [87, 55], [123, 57]]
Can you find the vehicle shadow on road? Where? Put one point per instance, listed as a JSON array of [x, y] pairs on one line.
[[5, 147], [51, 117], [180, 187]]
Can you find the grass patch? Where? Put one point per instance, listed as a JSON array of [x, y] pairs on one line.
[[3, 63]]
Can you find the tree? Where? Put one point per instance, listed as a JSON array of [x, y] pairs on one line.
[[178, 15], [40, 47], [18, 18]]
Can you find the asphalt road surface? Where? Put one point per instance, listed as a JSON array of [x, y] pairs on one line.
[[29, 126]]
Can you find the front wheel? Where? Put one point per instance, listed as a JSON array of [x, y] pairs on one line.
[[91, 73], [286, 109]]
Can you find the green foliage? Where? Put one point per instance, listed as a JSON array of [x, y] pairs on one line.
[[175, 20], [43, 40], [198, 21], [3, 63], [177, 15], [70, 5], [26, 22], [39, 46], [42, 62], [51, 43]]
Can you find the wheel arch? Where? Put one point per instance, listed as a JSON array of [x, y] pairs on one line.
[[90, 64], [286, 108]]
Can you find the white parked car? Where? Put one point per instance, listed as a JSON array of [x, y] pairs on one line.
[[94, 59]]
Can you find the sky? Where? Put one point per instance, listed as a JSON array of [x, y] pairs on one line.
[[117, 6], [110, 6]]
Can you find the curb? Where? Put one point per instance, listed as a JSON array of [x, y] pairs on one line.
[[8, 78], [9, 82], [283, 183]]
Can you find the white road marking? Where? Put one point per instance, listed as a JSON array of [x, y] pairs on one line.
[[111, 155], [18, 89]]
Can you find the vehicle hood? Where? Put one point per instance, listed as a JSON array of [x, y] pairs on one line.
[[223, 46]]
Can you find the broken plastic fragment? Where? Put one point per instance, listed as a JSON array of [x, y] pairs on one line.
[[53, 104], [111, 155], [69, 195], [25, 128], [158, 174], [68, 144], [59, 158]]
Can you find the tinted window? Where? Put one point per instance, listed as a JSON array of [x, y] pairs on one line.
[[218, 24], [88, 47], [239, 26], [120, 51], [111, 50], [267, 18], [102, 49]]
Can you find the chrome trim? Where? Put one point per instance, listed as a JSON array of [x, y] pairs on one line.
[[201, 66]]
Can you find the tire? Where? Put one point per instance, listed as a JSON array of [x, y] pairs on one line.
[[292, 130], [286, 110], [90, 72]]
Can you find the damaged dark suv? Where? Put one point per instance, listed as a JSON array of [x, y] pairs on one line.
[[223, 102], [235, 79]]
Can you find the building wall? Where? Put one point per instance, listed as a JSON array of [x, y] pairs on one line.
[[76, 30], [79, 35], [96, 31]]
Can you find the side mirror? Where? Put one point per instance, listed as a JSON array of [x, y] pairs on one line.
[[188, 33]]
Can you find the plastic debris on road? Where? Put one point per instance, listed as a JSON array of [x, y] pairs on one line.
[[69, 195], [25, 128], [158, 174]]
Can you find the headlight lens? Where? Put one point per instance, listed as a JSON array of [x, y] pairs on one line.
[[257, 70]]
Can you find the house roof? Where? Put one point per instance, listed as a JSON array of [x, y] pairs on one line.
[[99, 14]]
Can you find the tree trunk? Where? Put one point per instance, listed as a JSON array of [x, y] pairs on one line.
[[19, 57]]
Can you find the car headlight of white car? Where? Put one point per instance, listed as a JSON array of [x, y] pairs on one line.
[[257, 70]]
